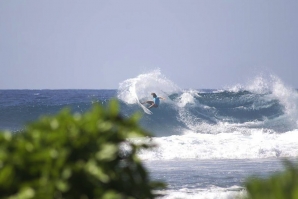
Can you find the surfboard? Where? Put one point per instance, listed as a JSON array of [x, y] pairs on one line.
[[145, 109]]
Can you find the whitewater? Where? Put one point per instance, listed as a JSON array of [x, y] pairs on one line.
[[208, 141]]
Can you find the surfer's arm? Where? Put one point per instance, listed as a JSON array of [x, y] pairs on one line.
[[161, 98]]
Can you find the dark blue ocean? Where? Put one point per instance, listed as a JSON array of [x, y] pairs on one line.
[[208, 140]]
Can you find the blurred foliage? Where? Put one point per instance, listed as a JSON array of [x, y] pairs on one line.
[[282, 185], [73, 156]]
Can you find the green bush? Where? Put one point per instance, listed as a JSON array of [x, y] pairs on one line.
[[73, 156], [282, 185]]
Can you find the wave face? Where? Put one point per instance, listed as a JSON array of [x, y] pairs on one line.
[[258, 120]]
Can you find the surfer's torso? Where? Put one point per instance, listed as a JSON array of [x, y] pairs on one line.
[[156, 101]]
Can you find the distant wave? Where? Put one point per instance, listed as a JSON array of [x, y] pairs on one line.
[[19, 107]]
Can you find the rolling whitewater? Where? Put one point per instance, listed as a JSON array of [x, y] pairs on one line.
[[208, 140]]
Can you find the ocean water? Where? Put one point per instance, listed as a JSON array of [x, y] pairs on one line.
[[208, 140]]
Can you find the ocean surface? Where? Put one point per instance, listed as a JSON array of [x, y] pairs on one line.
[[208, 140]]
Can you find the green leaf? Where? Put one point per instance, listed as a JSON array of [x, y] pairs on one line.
[[108, 152], [113, 108], [25, 193]]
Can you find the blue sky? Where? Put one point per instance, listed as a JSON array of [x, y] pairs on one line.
[[97, 44]]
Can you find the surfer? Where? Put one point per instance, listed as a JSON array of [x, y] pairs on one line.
[[155, 102]]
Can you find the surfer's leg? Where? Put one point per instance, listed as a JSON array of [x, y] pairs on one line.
[[148, 102]]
